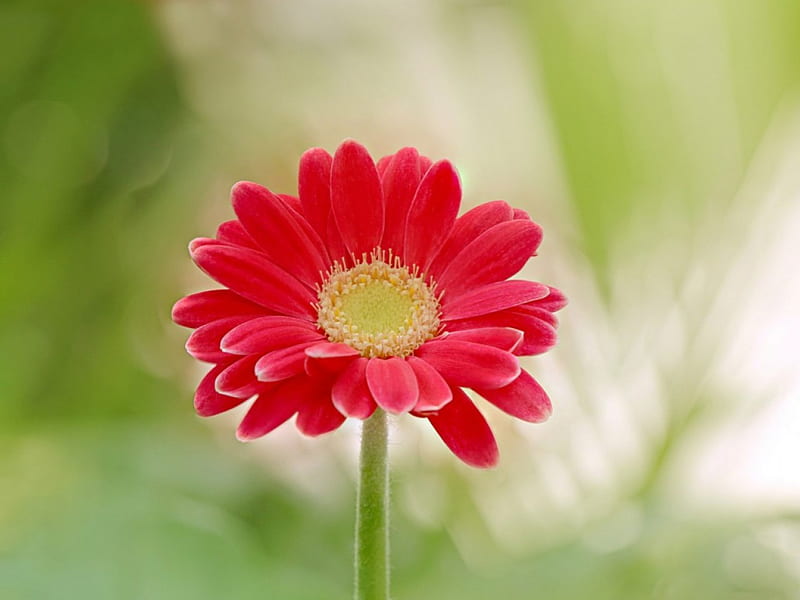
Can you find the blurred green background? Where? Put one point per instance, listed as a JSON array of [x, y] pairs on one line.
[[657, 143]]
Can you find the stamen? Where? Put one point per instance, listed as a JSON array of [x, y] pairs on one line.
[[379, 307]]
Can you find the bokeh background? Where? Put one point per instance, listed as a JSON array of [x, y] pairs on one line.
[[658, 144]]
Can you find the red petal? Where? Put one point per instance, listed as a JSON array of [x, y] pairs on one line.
[[553, 302], [318, 415], [233, 232], [292, 202], [356, 198], [521, 214], [467, 227], [424, 164], [204, 343], [203, 307], [327, 358], [265, 334], [350, 394], [495, 255], [256, 278], [314, 187], [491, 298], [504, 338], [523, 398], [393, 384], [400, 182], [286, 237], [434, 392], [282, 364], [433, 214], [536, 311], [539, 335], [199, 242], [273, 407], [336, 247], [464, 430], [208, 401], [383, 163], [470, 365], [331, 350], [239, 379]]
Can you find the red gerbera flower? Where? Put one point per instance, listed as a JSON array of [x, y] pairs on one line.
[[367, 291]]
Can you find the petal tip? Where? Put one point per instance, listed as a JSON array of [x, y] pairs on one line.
[[490, 461], [175, 313], [244, 437]]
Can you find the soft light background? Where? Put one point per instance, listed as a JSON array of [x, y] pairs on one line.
[[658, 143]]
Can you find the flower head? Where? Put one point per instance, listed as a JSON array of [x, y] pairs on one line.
[[369, 291]]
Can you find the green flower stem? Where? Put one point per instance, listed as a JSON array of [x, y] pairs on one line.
[[372, 511]]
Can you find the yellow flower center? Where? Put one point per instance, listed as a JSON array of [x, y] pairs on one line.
[[379, 307]]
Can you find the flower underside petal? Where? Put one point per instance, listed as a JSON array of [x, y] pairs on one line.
[[208, 401], [465, 431], [523, 398]]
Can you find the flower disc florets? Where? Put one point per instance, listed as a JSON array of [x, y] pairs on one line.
[[379, 306]]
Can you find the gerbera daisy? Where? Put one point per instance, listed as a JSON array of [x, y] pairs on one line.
[[367, 292]]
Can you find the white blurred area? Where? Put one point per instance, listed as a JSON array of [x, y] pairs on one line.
[[693, 354], [754, 323]]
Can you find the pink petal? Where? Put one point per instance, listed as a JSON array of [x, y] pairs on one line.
[[292, 202], [553, 302], [536, 311], [283, 363], [467, 227], [393, 384], [336, 248], [491, 298], [239, 379], [328, 358], [383, 164], [331, 350], [286, 237], [356, 198], [265, 334], [203, 307], [504, 338], [425, 164], [272, 408], [400, 182], [521, 214], [433, 214], [318, 415], [539, 336], [523, 398], [350, 393], [495, 255], [204, 343], [434, 392], [208, 401], [233, 232], [256, 278], [199, 242], [470, 365], [464, 430], [314, 186]]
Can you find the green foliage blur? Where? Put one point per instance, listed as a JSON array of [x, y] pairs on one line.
[[110, 487]]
